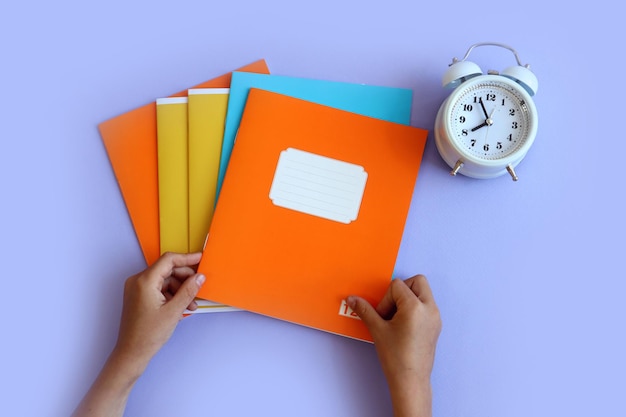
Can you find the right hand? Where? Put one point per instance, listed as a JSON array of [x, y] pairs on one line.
[[405, 327]]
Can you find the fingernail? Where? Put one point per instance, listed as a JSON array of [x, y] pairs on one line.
[[200, 279], [351, 300]]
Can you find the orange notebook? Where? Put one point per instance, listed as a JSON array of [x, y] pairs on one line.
[[130, 141], [312, 210]]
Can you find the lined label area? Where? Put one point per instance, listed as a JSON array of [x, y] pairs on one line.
[[318, 185]]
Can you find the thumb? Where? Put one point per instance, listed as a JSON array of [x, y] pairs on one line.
[[366, 312], [187, 292]]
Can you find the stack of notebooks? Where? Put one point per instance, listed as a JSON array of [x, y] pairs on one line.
[[304, 208]]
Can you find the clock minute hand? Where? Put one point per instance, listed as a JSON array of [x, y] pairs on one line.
[[480, 100]]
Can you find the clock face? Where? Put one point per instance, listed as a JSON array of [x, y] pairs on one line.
[[490, 120]]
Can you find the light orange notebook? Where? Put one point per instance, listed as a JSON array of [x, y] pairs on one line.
[[312, 209], [130, 141]]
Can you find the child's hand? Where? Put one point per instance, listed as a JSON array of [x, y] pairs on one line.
[[405, 327]]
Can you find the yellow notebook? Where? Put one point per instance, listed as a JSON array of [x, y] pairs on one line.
[[173, 174], [206, 117]]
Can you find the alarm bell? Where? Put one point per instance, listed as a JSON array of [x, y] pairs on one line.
[[462, 70], [523, 76]]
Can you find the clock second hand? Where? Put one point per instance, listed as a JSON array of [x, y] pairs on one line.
[[489, 122]]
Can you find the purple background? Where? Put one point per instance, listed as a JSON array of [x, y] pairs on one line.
[[529, 276]]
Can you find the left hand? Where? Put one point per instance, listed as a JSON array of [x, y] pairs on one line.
[[154, 302]]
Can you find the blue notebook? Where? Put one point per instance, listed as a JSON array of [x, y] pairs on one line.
[[388, 103]]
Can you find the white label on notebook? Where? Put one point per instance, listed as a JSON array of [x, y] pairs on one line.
[[346, 311], [318, 185]]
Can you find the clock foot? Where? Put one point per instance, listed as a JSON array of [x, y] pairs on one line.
[[512, 172], [457, 167]]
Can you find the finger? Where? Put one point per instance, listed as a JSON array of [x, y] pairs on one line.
[[387, 306], [193, 306], [402, 294], [398, 290], [183, 272], [366, 313], [172, 285], [179, 274], [165, 284], [398, 296], [165, 265], [420, 287], [186, 294]]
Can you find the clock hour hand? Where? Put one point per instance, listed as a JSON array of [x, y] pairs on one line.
[[483, 124]]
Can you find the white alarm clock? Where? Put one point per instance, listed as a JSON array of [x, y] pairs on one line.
[[489, 122]]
